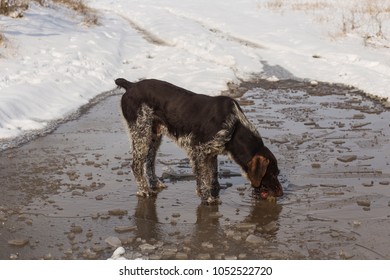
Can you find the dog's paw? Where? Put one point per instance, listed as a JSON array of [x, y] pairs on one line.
[[211, 200], [159, 185], [146, 193]]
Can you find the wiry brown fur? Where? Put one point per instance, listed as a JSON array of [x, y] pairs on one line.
[[204, 126]]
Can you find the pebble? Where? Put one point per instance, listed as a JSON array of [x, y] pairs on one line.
[[68, 252], [155, 257], [97, 249], [359, 116], [99, 197], [204, 256], [113, 241], [3, 217], [242, 256], [280, 141], [186, 249], [348, 158], [118, 254], [245, 102], [237, 237], [215, 215], [219, 256], [147, 248], [48, 256], [71, 236], [369, 184], [315, 165], [254, 239], [207, 245], [245, 226], [363, 202], [176, 215], [122, 229], [356, 223], [270, 227], [18, 242], [21, 218], [168, 254], [345, 256], [232, 233], [117, 212], [76, 229], [90, 255], [77, 193], [181, 256], [359, 125]]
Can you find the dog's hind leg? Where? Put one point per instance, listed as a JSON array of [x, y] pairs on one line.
[[140, 152], [154, 182], [144, 150]]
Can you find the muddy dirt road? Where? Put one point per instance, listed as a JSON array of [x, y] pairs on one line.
[[71, 195]]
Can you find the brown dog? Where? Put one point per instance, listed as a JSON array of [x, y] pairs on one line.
[[204, 126]]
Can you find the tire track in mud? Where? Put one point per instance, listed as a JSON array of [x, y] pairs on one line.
[[200, 52], [218, 32], [146, 34]]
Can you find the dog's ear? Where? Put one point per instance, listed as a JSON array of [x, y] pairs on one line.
[[257, 167]]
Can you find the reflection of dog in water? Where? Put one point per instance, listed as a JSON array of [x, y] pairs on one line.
[[204, 126]]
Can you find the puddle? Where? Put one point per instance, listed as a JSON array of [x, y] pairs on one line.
[[70, 194]]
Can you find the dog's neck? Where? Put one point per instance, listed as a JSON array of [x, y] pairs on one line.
[[243, 145]]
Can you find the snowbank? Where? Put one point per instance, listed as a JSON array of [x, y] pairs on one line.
[[53, 64]]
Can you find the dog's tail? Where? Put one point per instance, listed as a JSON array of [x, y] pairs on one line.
[[123, 83]]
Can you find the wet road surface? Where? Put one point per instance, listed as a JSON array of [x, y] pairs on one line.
[[71, 194]]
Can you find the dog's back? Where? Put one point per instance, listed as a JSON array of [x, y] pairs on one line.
[[180, 110]]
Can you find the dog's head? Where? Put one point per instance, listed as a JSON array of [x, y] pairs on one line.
[[263, 173]]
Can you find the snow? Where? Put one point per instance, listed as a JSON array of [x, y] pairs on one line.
[[53, 64]]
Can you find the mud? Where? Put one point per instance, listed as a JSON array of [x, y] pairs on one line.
[[71, 194]]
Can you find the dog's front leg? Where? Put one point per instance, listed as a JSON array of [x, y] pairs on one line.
[[206, 171], [215, 187]]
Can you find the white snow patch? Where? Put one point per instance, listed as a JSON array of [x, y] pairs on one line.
[[53, 64]]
